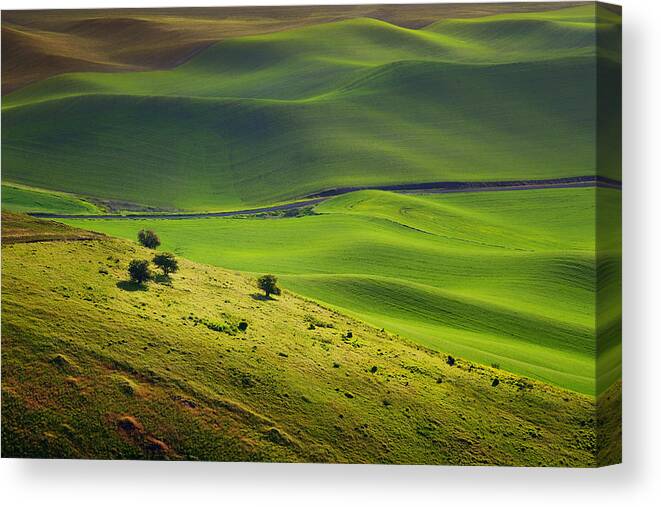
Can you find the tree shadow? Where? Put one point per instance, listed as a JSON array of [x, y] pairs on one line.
[[131, 286], [261, 297], [163, 279]]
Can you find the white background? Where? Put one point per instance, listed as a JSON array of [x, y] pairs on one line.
[[636, 482]]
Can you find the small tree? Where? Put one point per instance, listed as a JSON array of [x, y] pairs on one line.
[[149, 239], [269, 284], [139, 271], [167, 262]]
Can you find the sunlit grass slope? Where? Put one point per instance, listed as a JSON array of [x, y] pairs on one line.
[[498, 277], [94, 367], [609, 289], [24, 199], [561, 29], [264, 119]]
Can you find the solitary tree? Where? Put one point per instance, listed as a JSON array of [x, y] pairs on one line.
[[167, 262], [148, 238], [269, 284], [139, 271]]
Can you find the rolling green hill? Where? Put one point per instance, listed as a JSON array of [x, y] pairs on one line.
[[264, 119], [477, 327], [497, 277], [37, 44], [96, 367]]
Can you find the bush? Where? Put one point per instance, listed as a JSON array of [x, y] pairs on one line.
[[243, 325], [139, 271], [215, 326], [451, 360], [149, 239], [167, 262], [315, 322], [269, 284], [298, 212]]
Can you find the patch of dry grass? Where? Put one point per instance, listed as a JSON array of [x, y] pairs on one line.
[[18, 228]]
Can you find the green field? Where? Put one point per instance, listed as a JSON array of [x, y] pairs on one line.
[[47, 43], [94, 367], [472, 327], [258, 120], [498, 277]]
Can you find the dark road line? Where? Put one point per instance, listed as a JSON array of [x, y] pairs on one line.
[[430, 188]]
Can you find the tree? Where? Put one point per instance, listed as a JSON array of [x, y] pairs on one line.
[[149, 239], [139, 271], [269, 284], [167, 262]]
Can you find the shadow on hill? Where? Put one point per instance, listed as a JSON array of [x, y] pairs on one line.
[[163, 279], [131, 286], [261, 297]]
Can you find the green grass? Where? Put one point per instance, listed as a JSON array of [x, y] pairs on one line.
[[497, 277], [257, 120], [23, 199], [47, 43], [95, 367]]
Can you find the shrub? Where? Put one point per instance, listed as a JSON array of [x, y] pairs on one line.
[[148, 238], [451, 360], [298, 212], [167, 262], [315, 322], [523, 384], [269, 284], [220, 327], [214, 326], [139, 271]]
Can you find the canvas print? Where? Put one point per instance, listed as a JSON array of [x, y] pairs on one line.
[[341, 234]]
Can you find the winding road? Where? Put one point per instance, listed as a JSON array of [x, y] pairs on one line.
[[439, 187]]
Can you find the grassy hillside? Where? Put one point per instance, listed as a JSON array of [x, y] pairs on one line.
[[39, 44], [25, 199], [263, 119], [95, 367], [497, 277]]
